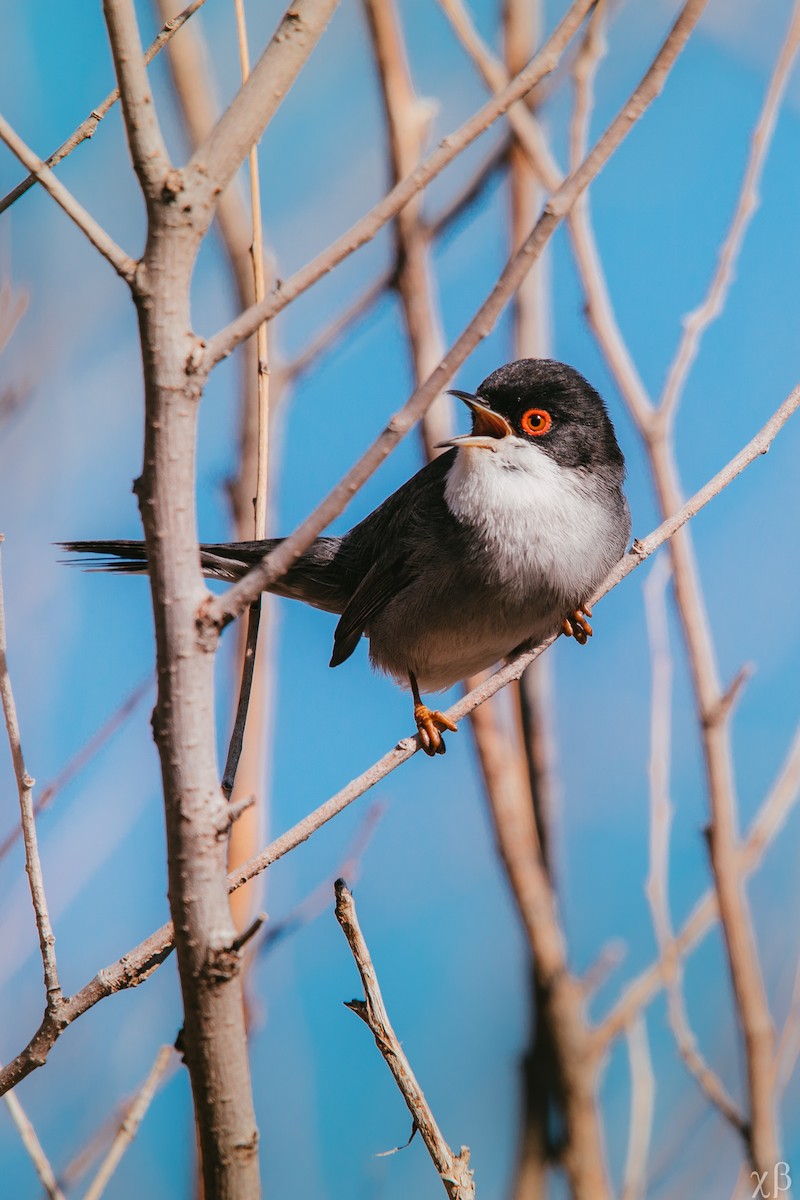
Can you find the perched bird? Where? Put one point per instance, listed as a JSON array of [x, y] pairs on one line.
[[499, 542]]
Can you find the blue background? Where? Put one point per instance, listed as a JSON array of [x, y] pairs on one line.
[[433, 901]]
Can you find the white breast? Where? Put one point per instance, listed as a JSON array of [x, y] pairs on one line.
[[534, 519]]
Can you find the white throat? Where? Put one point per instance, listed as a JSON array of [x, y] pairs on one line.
[[536, 522]]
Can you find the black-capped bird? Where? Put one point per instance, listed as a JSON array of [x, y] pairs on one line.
[[500, 541]]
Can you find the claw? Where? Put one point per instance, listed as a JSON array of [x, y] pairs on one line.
[[575, 625], [430, 724]]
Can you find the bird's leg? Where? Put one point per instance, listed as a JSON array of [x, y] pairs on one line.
[[430, 723], [575, 624]]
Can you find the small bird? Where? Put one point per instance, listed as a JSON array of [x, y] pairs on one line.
[[499, 542]]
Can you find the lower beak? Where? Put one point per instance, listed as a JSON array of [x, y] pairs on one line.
[[488, 426]]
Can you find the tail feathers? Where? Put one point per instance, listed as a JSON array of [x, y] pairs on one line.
[[315, 578], [228, 561], [126, 557]]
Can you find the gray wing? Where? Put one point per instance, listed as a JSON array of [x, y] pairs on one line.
[[389, 550]]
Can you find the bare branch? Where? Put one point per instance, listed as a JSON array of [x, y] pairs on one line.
[[33, 1146], [33, 865], [192, 78], [240, 720], [473, 189], [365, 229], [660, 823], [262, 348], [643, 1095], [88, 127], [559, 992], [331, 335], [196, 813], [751, 1003], [697, 321], [407, 118], [131, 1122], [142, 960], [769, 820], [661, 809], [148, 151], [245, 837], [531, 139], [317, 901], [217, 160], [788, 1046], [453, 1169], [496, 75], [122, 263], [232, 603]]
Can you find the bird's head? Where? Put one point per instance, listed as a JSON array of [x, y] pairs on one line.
[[547, 405]]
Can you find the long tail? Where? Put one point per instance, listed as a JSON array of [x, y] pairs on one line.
[[224, 560], [316, 578]]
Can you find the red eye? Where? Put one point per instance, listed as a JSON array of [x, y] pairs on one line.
[[536, 422]]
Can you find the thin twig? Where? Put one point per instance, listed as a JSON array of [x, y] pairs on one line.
[[215, 162], [33, 1146], [497, 76], [407, 120], [130, 1123], [257, 252], [660, 821], [331, 335], [80, 759], [453, 1169], [788, 1046], [148, 151], [697, 321], [768, 822], [224, 342], [122, 263], [643, 1094], [317, 901], [240, 721], [88, 127], [222, 609], [472, 191], [661, 809], [244, 839], [142, 960], [33, 865]]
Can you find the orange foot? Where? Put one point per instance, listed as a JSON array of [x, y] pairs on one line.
[[575, 624], [430, 724]]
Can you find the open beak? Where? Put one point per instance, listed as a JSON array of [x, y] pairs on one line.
[[487, 426]]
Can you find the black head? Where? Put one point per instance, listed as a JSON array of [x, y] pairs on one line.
[[548, 404]]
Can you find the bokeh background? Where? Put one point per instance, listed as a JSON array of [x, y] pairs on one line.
[[433, 901]]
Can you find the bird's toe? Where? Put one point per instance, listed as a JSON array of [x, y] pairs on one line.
[[430, 724]]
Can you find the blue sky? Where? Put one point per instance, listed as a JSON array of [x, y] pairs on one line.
[[432, 898]]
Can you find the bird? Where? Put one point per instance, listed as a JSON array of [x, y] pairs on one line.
[[497, 543]]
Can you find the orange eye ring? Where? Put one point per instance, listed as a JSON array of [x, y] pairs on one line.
[[536, 422]]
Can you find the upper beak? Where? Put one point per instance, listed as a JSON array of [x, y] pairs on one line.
[[487, 426]]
